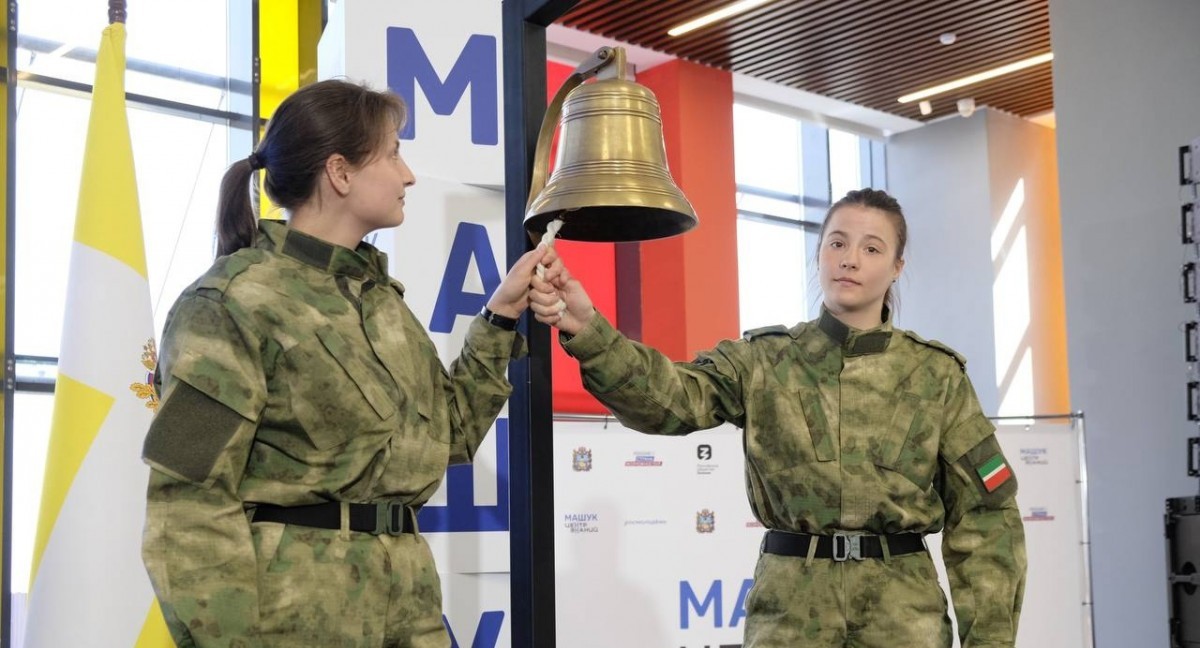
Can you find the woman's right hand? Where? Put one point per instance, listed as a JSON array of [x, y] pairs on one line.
[[558, 299]]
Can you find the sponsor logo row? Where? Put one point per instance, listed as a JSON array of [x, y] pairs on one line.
[[588, 522], [581, 460]]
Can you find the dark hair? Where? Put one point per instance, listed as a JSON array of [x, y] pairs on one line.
[[874, 199], [313, 123]]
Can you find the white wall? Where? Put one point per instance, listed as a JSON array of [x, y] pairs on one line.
[[1026, 252], [939, 174], [1126, 94]]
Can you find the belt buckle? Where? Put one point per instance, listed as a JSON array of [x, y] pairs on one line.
[[386, 522], [847, 546]]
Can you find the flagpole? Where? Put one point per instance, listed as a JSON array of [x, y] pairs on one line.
[[116, 11]]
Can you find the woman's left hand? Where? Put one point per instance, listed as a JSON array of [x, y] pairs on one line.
[[512, 297]]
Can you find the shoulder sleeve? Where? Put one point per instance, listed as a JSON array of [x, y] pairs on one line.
[[983, 543], [648, 392], [209, 345], [934, 344]]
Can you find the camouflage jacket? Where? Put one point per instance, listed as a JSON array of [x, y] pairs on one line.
[[875, 431], [293, 373]]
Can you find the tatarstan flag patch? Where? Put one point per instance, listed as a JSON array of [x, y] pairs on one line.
[[994, 473]]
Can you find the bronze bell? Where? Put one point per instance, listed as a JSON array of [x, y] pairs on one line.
[[610, 181]]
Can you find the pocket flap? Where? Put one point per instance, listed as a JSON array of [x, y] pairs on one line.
[[359, 375]]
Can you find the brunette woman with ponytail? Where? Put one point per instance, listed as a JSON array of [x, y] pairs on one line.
[[305, 415]]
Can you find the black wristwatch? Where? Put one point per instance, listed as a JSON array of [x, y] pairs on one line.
[[506, 323]]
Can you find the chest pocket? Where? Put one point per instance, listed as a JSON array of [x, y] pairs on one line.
[[334, 393], [910, 442], [789, 430]]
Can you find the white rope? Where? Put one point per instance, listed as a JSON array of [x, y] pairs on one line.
[[548, 238]]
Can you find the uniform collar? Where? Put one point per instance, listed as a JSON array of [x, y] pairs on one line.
[[853, 341], [365, 261]]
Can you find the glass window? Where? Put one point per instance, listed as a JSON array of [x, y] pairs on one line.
[[31, 436], [772, 278], [174, 50], [749, 202], [766, 149], [178, 161], [176, 53], [845, 168]]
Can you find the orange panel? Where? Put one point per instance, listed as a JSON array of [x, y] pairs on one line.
[[689, 282]]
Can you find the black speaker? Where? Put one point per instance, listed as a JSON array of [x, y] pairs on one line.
[[1183, 561]]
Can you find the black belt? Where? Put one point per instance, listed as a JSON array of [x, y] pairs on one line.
[[392, 518], [841, 546]]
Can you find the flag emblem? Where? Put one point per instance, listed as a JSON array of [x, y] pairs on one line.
[[994, 473], [145, 390]]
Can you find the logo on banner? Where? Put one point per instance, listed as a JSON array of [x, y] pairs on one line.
[[582, 522], [704, 453], [1035, 456], [643, 459], [647, 522], [409, 66], [706, 521], [581, 459], [1038, 514], [754, 524]]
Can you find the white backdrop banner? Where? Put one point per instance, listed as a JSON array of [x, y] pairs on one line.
[[1046, 459], [656, 545], [444, 59]]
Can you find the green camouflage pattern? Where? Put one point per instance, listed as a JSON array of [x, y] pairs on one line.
[[845, 430], [339, 395], [870, 603]]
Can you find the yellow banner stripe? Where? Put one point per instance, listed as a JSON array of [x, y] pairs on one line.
[[154, 631], [79, 411], [108, 215]]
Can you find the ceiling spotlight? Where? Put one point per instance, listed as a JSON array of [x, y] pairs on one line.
[[966, 107], [926, 107], [948, 38]]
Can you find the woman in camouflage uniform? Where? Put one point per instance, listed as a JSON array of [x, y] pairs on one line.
[[860, 439], [305, 413]]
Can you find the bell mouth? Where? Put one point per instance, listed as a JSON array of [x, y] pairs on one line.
[[614, 224]]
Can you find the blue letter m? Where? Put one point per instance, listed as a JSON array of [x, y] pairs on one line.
[[408, 65], [688, 600]]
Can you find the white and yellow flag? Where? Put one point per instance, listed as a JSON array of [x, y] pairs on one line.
[[89, 587]]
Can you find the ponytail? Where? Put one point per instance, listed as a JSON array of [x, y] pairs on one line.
[[313, 123], [237, 223]]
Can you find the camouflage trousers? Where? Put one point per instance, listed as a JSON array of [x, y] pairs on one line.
[[331, 588], [320, 587], [854, 604]]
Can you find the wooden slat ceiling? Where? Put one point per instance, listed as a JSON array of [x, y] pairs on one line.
[[867, 52]]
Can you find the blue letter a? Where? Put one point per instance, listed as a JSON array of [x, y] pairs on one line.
[[470, 240]]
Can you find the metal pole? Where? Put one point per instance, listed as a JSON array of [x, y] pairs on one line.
[[10, 231], [531, 473], [1038, 417], [1086, 540]]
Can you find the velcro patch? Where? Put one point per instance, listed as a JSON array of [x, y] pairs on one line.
[[994, 472], [189, 432]]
